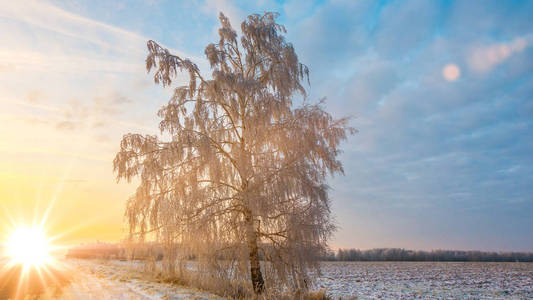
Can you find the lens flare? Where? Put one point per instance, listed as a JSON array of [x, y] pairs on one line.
[[451, 72], [28, 246]]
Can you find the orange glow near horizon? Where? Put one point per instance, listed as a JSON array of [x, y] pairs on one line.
[[43, 212], [29, 262], [74, 210], [29, 244]]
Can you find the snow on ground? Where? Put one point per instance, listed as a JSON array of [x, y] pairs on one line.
[[347, 280], [108, 279], [113, 280], [427, 280]]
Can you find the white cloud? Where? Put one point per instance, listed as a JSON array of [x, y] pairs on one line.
[[38, 61], [235, 15], [109, 39], [483, 59], [297, 8], [47, 16]]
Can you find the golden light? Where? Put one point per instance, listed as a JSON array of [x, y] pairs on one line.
[[29, 269], [28, 246]]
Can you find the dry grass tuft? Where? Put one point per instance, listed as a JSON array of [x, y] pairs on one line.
[[318, 295]]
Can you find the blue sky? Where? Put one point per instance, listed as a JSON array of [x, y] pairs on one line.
[[440, 91]]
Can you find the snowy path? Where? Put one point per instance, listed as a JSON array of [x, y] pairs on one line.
[[108, 280]]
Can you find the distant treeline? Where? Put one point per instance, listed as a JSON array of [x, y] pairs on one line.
[[119, 251], [149, 251], [397, 254], [97, 250]]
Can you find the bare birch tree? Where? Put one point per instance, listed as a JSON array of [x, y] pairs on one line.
[[241, 174]]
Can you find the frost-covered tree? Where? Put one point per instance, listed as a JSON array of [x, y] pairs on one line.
[[238, 174]]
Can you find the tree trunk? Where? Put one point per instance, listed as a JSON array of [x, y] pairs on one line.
[[255, 267]]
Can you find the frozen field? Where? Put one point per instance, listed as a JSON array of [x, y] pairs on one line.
[[94, 279], [427, 280], [108, 280], [118, 280], [347, 280]]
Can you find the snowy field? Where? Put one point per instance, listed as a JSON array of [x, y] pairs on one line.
[[117, 280], [427, 280], [107, 280], [97, 279]]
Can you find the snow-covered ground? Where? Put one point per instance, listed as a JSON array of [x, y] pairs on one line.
[[364, 280], [99, 279], [115, 280], [94, 280], [427, 280]]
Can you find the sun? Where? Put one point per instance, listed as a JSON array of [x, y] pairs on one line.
[[28, 246]]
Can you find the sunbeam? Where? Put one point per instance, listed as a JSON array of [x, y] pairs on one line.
[[30, 265], [28, 246]]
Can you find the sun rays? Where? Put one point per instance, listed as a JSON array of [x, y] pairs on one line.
[[30, 255], [28, 246], [29, 263]]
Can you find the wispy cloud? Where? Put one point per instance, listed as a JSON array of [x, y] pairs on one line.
[[235, 15], [33, 61], [483, 59], [50, 17], [431, 137], [440, 149]]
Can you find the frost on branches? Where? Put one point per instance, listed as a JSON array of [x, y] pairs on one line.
[[238, 176]]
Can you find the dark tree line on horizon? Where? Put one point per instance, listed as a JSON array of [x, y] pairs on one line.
[[398, 254], [154, 251]]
